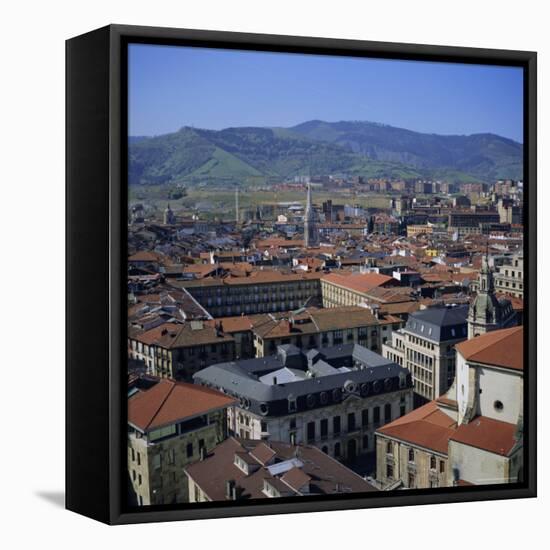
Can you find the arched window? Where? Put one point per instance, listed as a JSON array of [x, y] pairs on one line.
[[411, 455], [389, 447]]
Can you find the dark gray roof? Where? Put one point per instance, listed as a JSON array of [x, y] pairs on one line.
[[439, 324], [336, 372]]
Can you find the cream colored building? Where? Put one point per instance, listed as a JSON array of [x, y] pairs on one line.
[[318, 328], [352, 289], [509, 277], [425, 346], [473, 435], [170, 425]]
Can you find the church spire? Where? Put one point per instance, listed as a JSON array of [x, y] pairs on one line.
[[311, 234]]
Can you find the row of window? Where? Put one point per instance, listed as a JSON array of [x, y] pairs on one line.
[[419, 358], [420, 341], [311, 429], [248, 289]]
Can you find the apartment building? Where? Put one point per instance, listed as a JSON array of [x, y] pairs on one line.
[[316, 328], [333, 398], [170, 425], [258, 292], [425, 346]]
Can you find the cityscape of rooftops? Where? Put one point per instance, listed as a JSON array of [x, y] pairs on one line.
[[320, 304]]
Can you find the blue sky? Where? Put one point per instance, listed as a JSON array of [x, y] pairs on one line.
[[174, 86]]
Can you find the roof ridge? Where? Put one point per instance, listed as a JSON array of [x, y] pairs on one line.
[[173, 385]]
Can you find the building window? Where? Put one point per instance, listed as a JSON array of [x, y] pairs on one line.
[[365, 442], [441, 467], [364, 417], [189, 450], [291, 404], [133, 475], [171, 458], [387, 412], [411, 481], [311, 431], [498, 405], [376, 415], [411, 455], [389, 447], [140, 479], [324, 428], [389, 471], [351, 422], [139, 459], [337, 449], [336, 425], [133, 455], [432, 463]]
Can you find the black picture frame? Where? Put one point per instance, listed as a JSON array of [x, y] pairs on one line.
[[96, 214]]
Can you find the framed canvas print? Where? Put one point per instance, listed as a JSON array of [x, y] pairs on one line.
[[308, 270]]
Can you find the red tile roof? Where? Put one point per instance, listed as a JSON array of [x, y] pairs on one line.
[[426, 427], [168, 402], [488, 434], [502, 348], [359, 283]]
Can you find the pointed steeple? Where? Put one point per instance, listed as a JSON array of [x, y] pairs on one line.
[[486, 312], [311, 234]]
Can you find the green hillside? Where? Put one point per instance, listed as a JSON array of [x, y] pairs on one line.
[[240, 155]]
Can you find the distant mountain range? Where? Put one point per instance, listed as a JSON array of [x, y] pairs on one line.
[[366, 149]]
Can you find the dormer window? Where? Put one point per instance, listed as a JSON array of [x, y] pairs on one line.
[[292, 407]]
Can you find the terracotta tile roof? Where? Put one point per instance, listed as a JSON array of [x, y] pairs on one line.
[[263, 453], [154, 335], [296, 478], [238, 323], [488, 434], [359, 283], [254, 278], [146, 256], [399, 308], [168, 402], [426, 427], [191, 334], [502, 348], [327, 475], [313, 321]]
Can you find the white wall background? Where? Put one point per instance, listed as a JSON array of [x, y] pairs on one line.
[[32, 269]]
